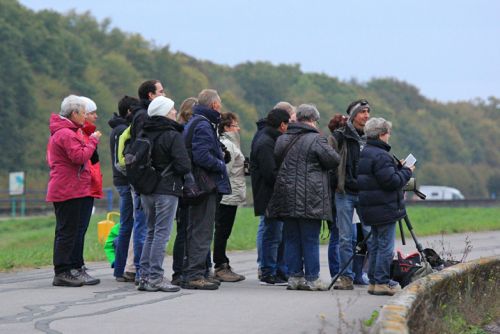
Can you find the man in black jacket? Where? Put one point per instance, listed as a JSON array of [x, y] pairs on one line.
[[263, 173], [147, 91], [119, 123], [350, 140], [261, 124]]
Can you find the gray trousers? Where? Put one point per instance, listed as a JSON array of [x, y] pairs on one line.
[[199, 234], [160, 212]]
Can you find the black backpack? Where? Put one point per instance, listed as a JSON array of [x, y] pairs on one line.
[[138, 162]]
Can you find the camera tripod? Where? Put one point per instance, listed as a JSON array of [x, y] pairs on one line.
[[360, 245]]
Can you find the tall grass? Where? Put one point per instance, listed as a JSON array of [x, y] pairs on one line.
[[28, 242]]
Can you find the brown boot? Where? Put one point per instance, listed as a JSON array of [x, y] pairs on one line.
[[344, 283], [200, 284], [224, 273]]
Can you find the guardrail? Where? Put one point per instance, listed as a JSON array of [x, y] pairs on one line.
[[33, 203]]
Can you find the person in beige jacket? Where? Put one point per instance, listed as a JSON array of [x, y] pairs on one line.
[[229, 131]]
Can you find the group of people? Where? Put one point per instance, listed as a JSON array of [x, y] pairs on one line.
[[299, 177]]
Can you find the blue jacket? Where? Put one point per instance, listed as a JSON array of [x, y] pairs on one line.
[[206, 149], [381, 180]]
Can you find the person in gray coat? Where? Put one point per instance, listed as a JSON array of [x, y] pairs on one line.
[[302, 195]]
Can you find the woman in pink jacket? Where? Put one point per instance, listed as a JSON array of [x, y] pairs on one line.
[[69, 185]]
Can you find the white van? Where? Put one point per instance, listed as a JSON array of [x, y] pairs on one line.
[[441, 193]]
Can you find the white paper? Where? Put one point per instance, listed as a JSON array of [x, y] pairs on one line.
[[410, 160]]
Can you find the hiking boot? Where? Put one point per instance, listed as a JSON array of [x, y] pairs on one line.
[[224, 273], [371, 288], [161, 284], [209, 277], [84, 276], [282, 276], [259, 273], [127, 278], [316, 285], [141, 283], [344, 283], [67, 279], [296, 283], [272, 280], [177, 279], [200, 284], [389, 289]]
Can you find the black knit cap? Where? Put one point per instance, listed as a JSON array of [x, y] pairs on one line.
[[357, 106]]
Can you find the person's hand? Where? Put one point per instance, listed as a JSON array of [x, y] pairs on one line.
[[412, 168], [96, 135]]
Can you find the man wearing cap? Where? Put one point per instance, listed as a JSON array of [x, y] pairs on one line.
[[168, 155], [351, 140]]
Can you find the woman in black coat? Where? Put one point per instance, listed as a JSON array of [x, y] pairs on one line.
[[381, 180], [302, 195]]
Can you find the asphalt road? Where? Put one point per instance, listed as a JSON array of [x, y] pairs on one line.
[[30, 304]]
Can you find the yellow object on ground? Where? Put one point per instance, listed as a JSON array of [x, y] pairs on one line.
[[103, 227]]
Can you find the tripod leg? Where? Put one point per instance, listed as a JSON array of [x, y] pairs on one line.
[[417, 243], [403, 240], [358, 249]]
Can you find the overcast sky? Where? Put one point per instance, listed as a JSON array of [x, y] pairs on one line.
[[449, 49]]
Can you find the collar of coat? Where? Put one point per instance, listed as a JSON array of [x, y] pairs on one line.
[[379, 143]]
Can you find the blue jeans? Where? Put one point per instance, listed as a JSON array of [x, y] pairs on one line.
[[381, 250], [272, 235], [302, 247], [139, 229], [260, 231], [160, 212], [333, 250], [345, 204], [126, 225]]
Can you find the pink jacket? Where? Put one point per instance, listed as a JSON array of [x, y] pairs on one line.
[[68, 158]]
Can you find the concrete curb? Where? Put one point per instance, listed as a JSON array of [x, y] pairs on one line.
[[423, 298]]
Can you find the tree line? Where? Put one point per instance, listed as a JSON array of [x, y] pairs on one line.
[[45, 56]]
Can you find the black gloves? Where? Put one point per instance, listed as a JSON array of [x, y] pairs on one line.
[[227, 155]]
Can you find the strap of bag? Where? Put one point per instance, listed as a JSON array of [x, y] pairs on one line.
[[289, 146], [189, 137]]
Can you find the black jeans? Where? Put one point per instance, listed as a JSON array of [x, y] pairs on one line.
[[199, 234], [85, 214], [68, 224], [224, 221], [180, 239]]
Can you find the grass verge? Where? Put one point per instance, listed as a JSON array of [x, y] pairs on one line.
[[27, 242]]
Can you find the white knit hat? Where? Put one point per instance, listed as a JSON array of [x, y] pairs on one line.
[[160, 106], [90, 105]]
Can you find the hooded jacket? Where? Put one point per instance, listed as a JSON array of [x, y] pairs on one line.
[[235, 170], [169, 152], [206, 149], [381, 180], [68, 158], [94, 165], [118, 124], [302, 188]]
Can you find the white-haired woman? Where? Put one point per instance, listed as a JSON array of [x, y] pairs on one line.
[[381, 179], [69, 184]]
